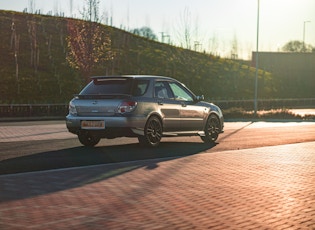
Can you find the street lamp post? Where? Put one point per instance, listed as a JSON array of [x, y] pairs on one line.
[[304, 34], [256, 73]]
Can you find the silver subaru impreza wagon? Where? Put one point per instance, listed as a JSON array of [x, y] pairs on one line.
[[145, 107]]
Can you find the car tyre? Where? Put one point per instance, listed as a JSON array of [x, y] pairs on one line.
[[152, 132], [211, 130], [87, 139]]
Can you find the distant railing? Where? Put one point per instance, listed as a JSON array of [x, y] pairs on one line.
[[34, 110], [61, 110], [267, 104]]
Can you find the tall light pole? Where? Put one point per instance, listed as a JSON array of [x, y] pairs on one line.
[[304, 34], [256, 73]]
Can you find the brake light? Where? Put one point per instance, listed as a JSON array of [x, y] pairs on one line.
[[72, 109], [127, 106]]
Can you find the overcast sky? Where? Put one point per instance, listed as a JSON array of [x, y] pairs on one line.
[[215, 24]]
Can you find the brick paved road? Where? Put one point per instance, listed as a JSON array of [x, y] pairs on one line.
[[261, 188], [33, 132]]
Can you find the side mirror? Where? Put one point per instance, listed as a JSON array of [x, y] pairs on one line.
[[200, 98]]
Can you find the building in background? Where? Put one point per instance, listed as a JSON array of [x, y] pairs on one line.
[[296, 71]]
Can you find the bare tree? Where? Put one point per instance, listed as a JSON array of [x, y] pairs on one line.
[[234, 48], [187, 31], [32, 32], [91, 11], [184, 29], [214, 44], [31, 4], [15, 43], [71, 7], [57, 12]]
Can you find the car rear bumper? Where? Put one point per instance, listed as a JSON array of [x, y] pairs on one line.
[[135, 124]]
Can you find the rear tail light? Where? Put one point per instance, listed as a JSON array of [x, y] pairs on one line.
[[72, 109], [127, 106]]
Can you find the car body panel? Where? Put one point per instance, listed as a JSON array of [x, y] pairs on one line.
[[170, 113], [193, 115]]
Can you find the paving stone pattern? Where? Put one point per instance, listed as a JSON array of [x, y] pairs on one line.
[[261, 188], [34, 133]]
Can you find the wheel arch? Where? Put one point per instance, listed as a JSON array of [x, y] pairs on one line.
[[159, 116], [217, 116]]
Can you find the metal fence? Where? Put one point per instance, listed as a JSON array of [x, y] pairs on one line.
[[34, 110], [268, 104], [61, 110]]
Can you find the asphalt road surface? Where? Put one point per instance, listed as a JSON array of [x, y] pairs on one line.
[[33, 146]]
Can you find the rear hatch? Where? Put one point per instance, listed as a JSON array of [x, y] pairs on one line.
[[102, 96], [98, 106]]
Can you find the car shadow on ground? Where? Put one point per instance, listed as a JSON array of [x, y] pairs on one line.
[[21, 185]]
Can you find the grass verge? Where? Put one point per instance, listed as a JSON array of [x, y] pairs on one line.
[[283, 114]]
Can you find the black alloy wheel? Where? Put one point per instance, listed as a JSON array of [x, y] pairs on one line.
[[152, 132], [212, 129], [87, 139]]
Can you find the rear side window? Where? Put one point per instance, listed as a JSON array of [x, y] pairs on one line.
[[140, 87], [108, 86]]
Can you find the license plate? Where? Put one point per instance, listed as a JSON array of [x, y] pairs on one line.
[[93, 124]]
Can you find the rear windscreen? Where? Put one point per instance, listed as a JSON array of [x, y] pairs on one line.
[[108, 86]]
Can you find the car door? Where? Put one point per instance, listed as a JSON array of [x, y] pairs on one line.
[[169, 108], [191, 114]]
